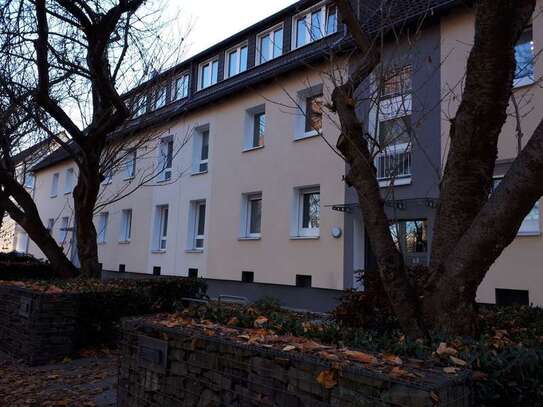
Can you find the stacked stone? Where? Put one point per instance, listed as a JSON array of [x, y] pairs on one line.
[[184, 367]]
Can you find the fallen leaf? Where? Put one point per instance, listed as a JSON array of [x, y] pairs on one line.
[[360, 357], [450, 370], [444, 350], [328, 355], [479, 376], [247, 337], [399, 372], [233, 321], [54, 290], [395, 360], [435, 397], [458, 362], [289, 348], [327, 379], [260, 321]]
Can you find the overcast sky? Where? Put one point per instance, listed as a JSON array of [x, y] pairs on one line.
[[215, 20]]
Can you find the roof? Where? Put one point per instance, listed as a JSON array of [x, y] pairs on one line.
[[375, 15]]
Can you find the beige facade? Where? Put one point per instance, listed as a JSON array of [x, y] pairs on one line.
[[277, 170], [519, 267]]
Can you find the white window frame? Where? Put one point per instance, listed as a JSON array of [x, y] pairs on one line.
[[54, 185], [140, 105], [271, 32], [197, 143], [213, 81], [298, 230], [245, 227], [164, 152], [248, 139], [160, 96], [64, 229], [69, 180], [184, 89], [30, 180], [194, 218], [307, 14], [130, 161], [236, 49], [392, 107], [160, 241], [125, 231], [103, 220]]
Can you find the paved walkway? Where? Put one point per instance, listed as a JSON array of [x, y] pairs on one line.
[[90, 381]]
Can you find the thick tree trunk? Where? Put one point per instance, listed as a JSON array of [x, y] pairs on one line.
[[85, 196], [27, 216]]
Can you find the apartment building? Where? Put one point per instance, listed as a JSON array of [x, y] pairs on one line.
[[249, 194]]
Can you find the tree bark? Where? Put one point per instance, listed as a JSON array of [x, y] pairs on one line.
[[85, 196]]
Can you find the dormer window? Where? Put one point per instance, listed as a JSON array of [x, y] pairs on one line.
[[181, 87], [160, 97], [209, 73], [236, 59], [269, 45], [314, 24], [140, 105]]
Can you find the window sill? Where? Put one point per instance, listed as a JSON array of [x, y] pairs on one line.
[[124, 241], [249, 238], [397, 182], [129, 178], [194, 174], [52, 196], [158, 251], [304, 237], [68, 193], [101, 243], [249, 149], [194, 250], [307, 135], [528, 234]]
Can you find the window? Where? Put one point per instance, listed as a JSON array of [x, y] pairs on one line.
[[103, 219], [64, 228], [200, 162], [122, 268], [269, 45], [193, 273], [247, 276], [140, 105], [30, 180], [411, 239], [236, 60], [50, 225], [251, 216], [209, 74], [197, 225], [166, 158], [161, 228], [524, 55], [303, 281], [313, 113], [69, 181], [506, 297], [160, 97], [314, 24], [108, 176], [308, 212], [530, 225], [181, 87], [126, 226], [255, 127], [130, 164], [259, 128], [394, 126], [54, 185], [22, 242]]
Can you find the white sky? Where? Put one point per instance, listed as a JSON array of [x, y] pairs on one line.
[[216, 20]]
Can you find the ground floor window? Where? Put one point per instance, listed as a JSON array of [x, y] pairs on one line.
[[411, 238]]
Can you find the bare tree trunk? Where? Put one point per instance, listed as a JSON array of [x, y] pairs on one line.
[[27, 216], [85, 196]]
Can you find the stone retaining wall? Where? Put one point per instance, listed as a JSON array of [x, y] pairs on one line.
[[184, 367], [36, 327]]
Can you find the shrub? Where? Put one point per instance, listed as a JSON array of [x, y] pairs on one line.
[[19, 267]]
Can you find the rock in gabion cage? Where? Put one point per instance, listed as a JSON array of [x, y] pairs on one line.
[[187, 366]]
